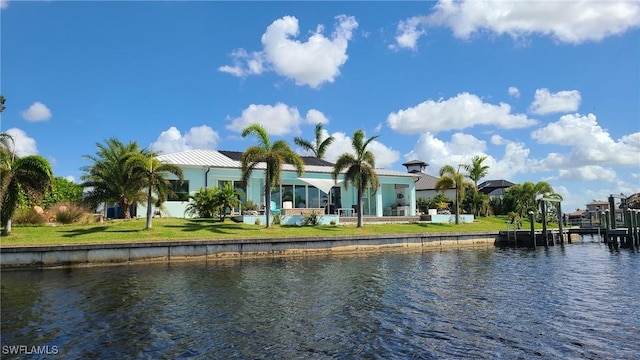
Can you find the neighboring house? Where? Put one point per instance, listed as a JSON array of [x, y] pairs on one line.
[[426, 184], [494, 188], [576, 217], [314, 189], [597, 206]]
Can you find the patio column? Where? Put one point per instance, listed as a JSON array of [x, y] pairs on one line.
[[412, 199], [379, 209]]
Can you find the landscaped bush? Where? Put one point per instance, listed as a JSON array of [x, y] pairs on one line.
[[27, 216], [276, 219], [66, 213], [249, 206], [311, 219]]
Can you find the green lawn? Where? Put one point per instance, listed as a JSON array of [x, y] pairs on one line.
[[192, 229]]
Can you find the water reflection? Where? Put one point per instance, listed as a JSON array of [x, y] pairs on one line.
[[580, 302]]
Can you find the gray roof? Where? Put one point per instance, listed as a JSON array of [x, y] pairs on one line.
[[490, 186], [415, 162], [200, 158], [220, 159], [425, 181]]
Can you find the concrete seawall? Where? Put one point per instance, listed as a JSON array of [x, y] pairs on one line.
[[168, 251]]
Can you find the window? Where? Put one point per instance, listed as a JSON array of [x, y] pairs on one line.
[[315, 197], [178, 191], [300, 200]]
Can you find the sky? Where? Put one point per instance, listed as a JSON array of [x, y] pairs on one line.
[[547, 91]]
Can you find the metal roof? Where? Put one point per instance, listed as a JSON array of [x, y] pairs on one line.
[[426, 182], [202, 158], [221, 159]]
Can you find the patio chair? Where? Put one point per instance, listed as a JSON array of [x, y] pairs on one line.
[[274, 209]]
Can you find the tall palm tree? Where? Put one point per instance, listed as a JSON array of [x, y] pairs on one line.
[[360, 169], [451, 178], [476, 171], [110, 179], [273, 155], [32, 173], [317, 147], [155, 172]]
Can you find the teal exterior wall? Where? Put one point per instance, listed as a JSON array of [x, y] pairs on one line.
[[375, 203]]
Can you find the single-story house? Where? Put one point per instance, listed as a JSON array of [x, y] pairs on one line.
[[315, 189], [494, 188]]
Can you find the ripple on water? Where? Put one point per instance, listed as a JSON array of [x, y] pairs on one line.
[[576, 302]]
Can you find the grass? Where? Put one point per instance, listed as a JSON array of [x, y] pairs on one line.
[[194, 229]]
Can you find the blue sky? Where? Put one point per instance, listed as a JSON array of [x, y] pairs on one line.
[[546, 90]]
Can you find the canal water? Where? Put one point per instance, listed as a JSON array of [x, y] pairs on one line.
[[581, 301]]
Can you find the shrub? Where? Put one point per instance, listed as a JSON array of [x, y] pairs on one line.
[[203, 203], [65, 213], [332, 222], [311, 219], [276, 219], [257, 222], [249, 206], [27, 216]]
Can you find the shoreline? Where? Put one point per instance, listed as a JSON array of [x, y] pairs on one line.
[[84, 255]]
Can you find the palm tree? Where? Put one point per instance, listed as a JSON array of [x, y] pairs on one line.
[[273, 155], [360, 169], [476, 171], [525, 195], [155, 172], [2, 101], [32, 174], [451, 178], [202, 203], [227, 198], [317, 147], [110, 179]]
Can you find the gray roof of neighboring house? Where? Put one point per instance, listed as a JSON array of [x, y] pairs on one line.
[[489, 186], [230, 159], [425, 182]]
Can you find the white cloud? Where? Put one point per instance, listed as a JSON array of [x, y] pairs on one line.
[[255, 64], [384, 156], [277, 120], [462, 111], [24, 145], [4, 4], [587, 173], [314, 117], [462, 147], [312, 63], [171, 140], [590, 143], [408, 33], [70, 178], [438, 153], [514, 92], [571, 22], [36, 112], [561, 102]]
